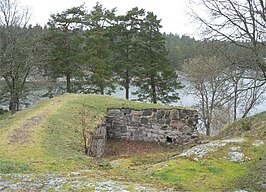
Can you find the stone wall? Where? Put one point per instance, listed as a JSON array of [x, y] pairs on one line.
[[171, 126]]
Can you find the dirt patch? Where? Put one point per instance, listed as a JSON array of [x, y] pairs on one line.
[[129, 148], [21, 135]]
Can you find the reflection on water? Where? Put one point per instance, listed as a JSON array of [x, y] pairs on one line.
[[44, 91], [186, 99]]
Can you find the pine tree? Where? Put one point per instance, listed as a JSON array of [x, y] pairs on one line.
[[98, 52], [156, 79], [65, 36], [124, 47]]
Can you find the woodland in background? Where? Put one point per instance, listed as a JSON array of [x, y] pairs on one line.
[[97, 51]]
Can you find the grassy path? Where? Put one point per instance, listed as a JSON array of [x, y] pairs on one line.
[[22, 134]]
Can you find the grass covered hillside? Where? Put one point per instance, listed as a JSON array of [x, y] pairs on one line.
[[48, 136], [235, 160], [41, 149]]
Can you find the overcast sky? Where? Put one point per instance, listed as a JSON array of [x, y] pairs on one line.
[[172, 12]]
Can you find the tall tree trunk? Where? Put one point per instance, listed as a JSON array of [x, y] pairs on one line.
[[235, 101], [68, 79], [208, 129], [207, 123], [127, 84], [17, 103], [102, 91], [12, 104], [153, 91], [13, 98]]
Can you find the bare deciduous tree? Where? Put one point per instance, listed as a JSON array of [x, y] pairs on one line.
[[244, 93], [236, 21], [241, 23], [16, 49], [225, 92], [207, 83]]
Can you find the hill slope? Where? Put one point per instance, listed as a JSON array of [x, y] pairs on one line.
[[48, 137], [41, 149], [235, 160]]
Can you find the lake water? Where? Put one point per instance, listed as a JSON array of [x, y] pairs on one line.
[[186, 99]]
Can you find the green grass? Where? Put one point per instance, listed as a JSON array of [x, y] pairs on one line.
[[253, 126], [55, 142], [4, 114], [13, 167], [256, 170], [55, 146], [204, 175]]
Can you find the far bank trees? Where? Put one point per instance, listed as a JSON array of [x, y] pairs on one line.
[[239, 28]]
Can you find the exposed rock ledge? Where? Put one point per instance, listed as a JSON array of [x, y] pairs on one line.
[[234, 153]]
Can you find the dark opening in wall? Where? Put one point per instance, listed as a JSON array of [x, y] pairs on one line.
[[169, 139]]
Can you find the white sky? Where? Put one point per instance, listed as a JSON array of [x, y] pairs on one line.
[[172, 12]]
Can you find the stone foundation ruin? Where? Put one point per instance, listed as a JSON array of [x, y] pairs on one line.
[[168, 126]]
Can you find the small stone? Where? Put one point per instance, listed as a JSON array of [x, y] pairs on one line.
[[114, 112], [123, 129], [174, 114], [135, 124], [258, 143], [263, 186], [184, 114], [74, 174], [167, 114], [234, 140], [235, 148], [167, 121], [194, 135], [236, 157]]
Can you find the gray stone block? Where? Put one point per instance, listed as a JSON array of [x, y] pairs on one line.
[[144, 120], [126, 111], [164, 127], [160, 114], [174, 114], [147, 112]]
